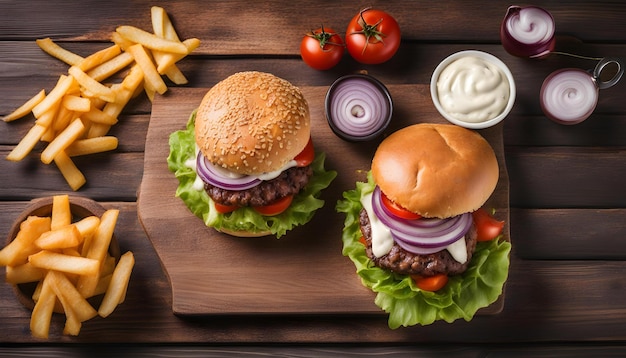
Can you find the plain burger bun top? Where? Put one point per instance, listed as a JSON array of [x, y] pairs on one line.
[[436, 170], [252, 123]]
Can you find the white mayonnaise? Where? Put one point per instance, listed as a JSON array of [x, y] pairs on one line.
[[191, 163], [382, 241], [472, 89], [381, 236]]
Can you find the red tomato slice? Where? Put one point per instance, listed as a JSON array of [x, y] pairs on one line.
[[431, 283], [274, 208], [397, 210], [487, 227], [307, 155], [224, 209]]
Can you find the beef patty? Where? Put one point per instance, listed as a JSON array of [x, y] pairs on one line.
[[289, 182], [404, 262]]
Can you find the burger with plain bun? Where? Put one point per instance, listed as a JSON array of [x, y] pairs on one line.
[[246, 163], [417, 231]]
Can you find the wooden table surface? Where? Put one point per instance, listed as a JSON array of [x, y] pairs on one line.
[[566, 292]]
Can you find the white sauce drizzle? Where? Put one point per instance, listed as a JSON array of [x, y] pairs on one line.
[[382, 241]]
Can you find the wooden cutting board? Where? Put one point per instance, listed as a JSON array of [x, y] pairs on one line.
[[304, 271]]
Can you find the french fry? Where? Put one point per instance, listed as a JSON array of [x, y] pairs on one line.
[[73, 176], [124, 91], [54, 261], [76, 103], [62, 119], [60, 238], [28, 142], [54, 50], [121, 41], [42, 312], [111, 67], [61, 213], [24, 273], [99, 57], [103, 284], [151, 41], [87, 226], [62, 141], [92, 145], [92, 86], [18, 250], [98, 116], [73, 323], [118, 285], [70, 297], [151, 75], [98, 248], [176, 75], [26, 108], [48, 117], [165, 60], [55, 96]]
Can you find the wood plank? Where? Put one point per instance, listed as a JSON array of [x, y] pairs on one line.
[[434, 21], [567, 177], [569, 234], [109, 177]]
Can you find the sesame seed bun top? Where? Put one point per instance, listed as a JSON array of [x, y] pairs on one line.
[[252, 123]]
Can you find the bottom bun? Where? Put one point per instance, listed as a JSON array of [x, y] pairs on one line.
[[245, 233]]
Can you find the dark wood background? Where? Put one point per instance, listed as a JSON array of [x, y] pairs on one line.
[[566, 289]]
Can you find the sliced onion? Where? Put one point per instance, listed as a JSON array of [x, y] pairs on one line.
[[422, 235], [215, 176], [528, 31], [358, 107], [568, 96]]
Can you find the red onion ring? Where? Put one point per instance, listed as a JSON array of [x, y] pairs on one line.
[[358, 107], [568, 96], [421, 236], [528, 31], [213, 175]]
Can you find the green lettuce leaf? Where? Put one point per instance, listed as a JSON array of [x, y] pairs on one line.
[[183, 147], [407, 305]]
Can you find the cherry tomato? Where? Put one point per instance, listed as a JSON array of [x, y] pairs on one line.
[[321, 49], [307, 155], [398, 210], [224, 209], [487, 227], [274, 208], [431, 283], [373, 36]]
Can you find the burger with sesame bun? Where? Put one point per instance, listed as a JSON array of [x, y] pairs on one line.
[[417, 232], [246, 163]]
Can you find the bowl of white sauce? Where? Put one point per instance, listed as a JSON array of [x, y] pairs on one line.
[[473, 89]]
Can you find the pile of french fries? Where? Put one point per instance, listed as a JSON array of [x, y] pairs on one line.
[[71, 263], [75, 117]]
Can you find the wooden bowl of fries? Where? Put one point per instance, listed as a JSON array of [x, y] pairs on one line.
[[79, 209]]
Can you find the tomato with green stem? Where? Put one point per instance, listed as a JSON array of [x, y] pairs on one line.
[[373, 36], [322, 48]]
